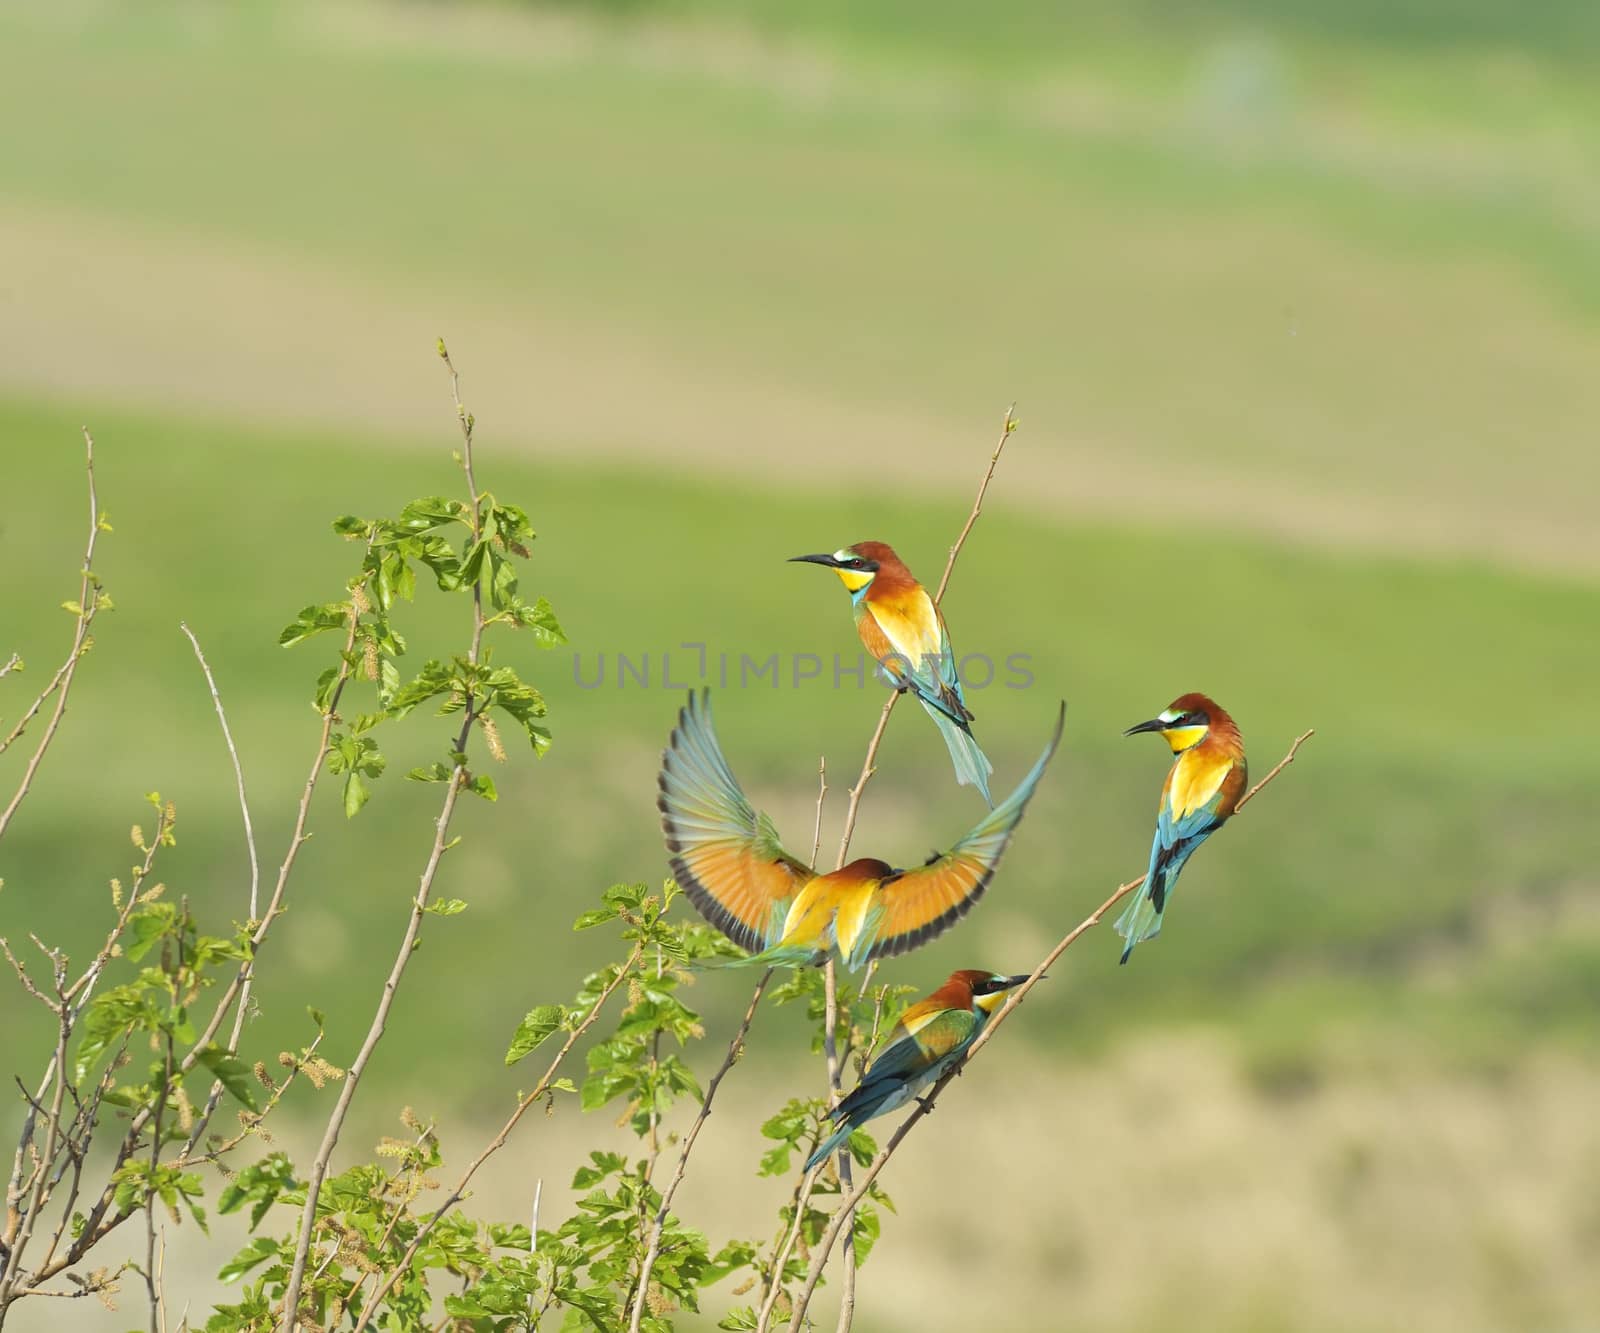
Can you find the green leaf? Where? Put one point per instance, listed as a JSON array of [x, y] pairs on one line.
[[862, 1147], [539, 618], [446, 906], [483, 785], [325, 686], [597, 917], [431, 512], [257, 1251], [431, 773], [231, 1072], [147, 927], [534, 1029], [356, 794], [314, 620], [775, 1162], [867, 1228]]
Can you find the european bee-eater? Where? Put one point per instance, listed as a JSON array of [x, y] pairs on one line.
[[930, 1036], [728, 860], [1203, 787], [906, 633]]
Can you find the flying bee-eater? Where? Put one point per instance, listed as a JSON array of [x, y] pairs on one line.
[[930, 1037], [1202, 789], [906, 633], [727, 858]]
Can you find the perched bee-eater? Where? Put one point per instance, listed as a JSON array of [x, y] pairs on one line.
[[1203, 787], [930, 1036], [906, 633], [728, 860]]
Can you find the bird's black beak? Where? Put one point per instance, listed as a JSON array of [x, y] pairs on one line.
[[1154, 724], [827, 560], [1013, 982]]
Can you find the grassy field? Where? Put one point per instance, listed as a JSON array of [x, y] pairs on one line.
[[1301, 309]]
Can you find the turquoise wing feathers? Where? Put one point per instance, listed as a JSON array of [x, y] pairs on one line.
[[906, 1066], [1174, 842]]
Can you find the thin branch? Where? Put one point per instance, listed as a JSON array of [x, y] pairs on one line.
[[151, 1278], [40, 1192], [868, 768], [499, 1141], [407, 1167], [653, 1250], [215, 1096], [841, 1217], [831, 1054], [1008, 425], [780, 1260], [238, 768], [419, 904], [822, 796], [12, 663], [61, 683], [72, 999], [250, 1122]]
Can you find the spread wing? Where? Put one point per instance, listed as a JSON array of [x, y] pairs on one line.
[[725, 855], [917, 905]]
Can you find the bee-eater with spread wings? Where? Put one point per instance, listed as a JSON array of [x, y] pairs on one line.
[[1203, 787], [728, 860], [906, 633], [930, 1036]]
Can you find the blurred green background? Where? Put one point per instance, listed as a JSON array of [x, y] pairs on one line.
[[1301, 307]]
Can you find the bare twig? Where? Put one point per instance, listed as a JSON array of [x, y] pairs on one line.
[[12, 663], [822, 796], [419, 904], [243, 1008], [459, 1192], [61, 683], [238, 768], [1006, 427], [841, 1218]]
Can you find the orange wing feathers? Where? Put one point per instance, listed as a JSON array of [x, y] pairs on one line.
[[734, 887], [725, 856], [919, 905]]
